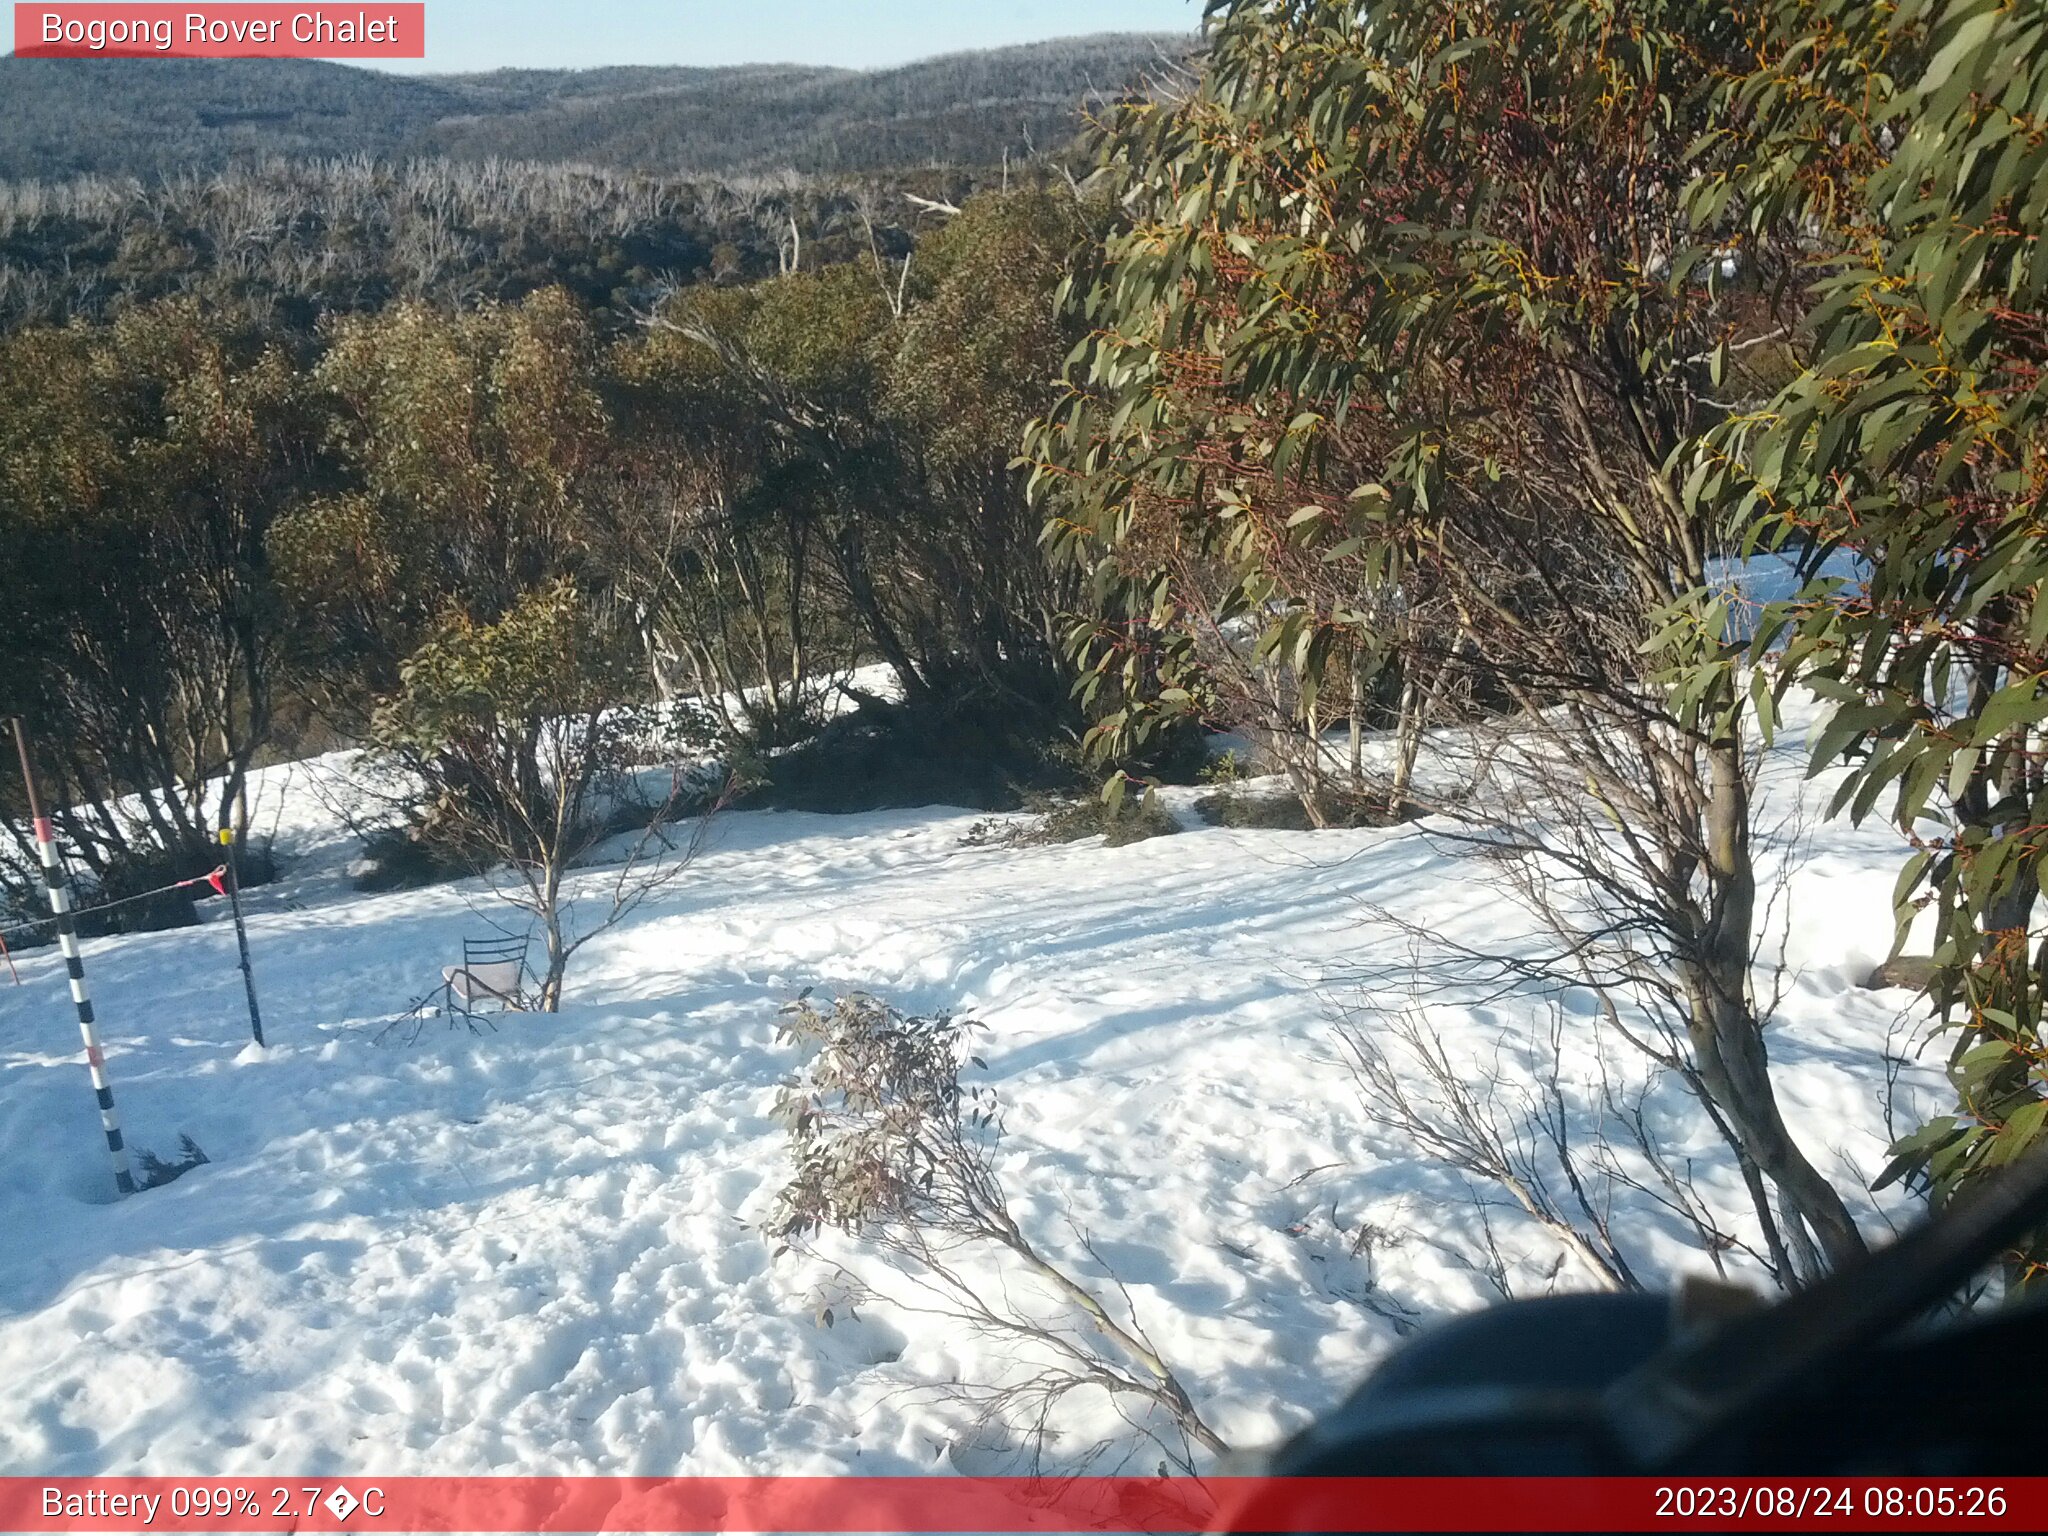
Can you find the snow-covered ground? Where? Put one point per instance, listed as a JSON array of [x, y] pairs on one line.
[[539, 1249]]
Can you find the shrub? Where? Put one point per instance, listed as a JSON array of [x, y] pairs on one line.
[[889, 1146], [1068, 821], [398, 859], [1234, 807]]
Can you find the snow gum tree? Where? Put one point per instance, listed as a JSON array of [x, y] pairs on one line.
[[455, 601], [851, 433], [1396, 378], [1909, 143], [142, 464], [473, 447], [525, 717]]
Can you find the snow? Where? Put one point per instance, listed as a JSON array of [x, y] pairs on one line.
[[539, 1248], [1755, 580]]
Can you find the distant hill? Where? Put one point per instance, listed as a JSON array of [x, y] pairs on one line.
[[63, 118]]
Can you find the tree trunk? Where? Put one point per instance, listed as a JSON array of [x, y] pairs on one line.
[[1728, 1042], [1357, 726], [558, 956], [1407, 740]]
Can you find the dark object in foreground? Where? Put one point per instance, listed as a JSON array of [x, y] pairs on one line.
[[1844, 1378], [153, 1172]]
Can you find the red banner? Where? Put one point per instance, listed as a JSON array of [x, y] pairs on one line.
[[100, 31], [959, 1504]]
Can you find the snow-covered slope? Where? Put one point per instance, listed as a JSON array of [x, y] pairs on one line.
[[538, 1249]]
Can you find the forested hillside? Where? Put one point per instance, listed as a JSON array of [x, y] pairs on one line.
[[286, 241], [144, 117]]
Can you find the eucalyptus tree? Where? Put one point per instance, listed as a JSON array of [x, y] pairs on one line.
[[1400, 366], [849, 436], [142, 464], [722, 566], [1910, 143], [455, 603]]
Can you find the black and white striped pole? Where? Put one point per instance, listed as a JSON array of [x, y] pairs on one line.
[[74, 964]]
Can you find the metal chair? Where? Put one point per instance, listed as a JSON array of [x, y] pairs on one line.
[[492, 970]]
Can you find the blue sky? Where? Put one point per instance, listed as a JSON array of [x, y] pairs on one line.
[[550, 34]]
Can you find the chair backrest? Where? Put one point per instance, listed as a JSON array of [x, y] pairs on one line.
[[482, 952], [491, 969]]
